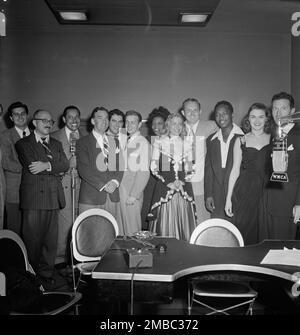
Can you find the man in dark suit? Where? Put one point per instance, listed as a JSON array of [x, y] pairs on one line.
[[96, 162], [18, 114], [219, 159], [41, 195], [68, 137], [282, 200]]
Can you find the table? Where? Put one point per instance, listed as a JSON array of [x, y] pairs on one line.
[[183, 259]]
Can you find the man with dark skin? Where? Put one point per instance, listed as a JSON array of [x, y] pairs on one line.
[[219, 159]]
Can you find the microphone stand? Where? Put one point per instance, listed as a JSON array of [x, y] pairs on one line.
[[73, 180], [73, 194]]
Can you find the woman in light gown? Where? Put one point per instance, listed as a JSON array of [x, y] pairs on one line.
[[250, 172], [173, 208]]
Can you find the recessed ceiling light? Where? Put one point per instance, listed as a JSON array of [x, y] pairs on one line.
[[73, 15], [194, 17]]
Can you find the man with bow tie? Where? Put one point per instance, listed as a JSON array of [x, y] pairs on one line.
[[281, 205], [68, 137], [18, 115], [41, 196]]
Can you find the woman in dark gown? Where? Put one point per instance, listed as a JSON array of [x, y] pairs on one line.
[[157, 128], [249, 173]]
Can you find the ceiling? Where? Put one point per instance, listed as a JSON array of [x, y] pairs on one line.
[[239, 16], [132, 12]]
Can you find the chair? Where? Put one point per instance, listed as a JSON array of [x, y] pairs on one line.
[[93, 233], [4, 305], [51, 303], [2, 285], [219, 233]]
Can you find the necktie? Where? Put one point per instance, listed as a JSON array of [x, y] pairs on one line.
[[24, 133], [105, 149], [117, 141], [46, 147]]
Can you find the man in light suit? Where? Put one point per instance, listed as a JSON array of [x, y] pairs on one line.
[[68, 136], [219, 159], [96, 162], [197, 132], [41, 196], [18, 114], [136, 175]]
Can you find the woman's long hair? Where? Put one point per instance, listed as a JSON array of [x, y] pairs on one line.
[[246, 123], [173, 116]]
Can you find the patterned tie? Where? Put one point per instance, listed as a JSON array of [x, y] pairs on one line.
[[105, 149], [46, 147], [117, 141]]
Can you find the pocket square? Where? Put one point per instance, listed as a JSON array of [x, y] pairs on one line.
[[290, 148]]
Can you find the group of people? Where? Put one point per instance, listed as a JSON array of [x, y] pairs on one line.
[[238, 167], [185, 171]]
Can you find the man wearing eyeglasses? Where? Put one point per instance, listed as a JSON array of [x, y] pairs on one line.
[[18, 114], [41, 196]]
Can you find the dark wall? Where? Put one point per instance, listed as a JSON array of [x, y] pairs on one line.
[[295, 71], [141, 69]]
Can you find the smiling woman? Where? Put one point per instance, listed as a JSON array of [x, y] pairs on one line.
[[249, 174]]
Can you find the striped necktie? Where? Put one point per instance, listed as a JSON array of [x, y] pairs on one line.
[[117, 141], [105, 149], [46, 147]]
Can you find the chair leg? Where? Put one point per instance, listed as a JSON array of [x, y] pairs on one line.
[[224, 310], [73, 271], [190, 298], [76, 311]]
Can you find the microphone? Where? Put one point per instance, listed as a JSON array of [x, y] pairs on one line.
[[74, 136], [293, 118], [280, 156]]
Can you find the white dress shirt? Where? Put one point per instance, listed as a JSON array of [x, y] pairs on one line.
[[20, 131], [38, 139], [99, 139], [68, 132], [225, 145]]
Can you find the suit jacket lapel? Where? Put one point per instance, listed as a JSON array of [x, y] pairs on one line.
[[39, 149], [65, 142], [15, 135], [216, 160]]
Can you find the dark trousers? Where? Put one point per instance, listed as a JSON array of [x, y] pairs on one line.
[[40, 231], [298, 231], [13, 217], [281, 228]]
